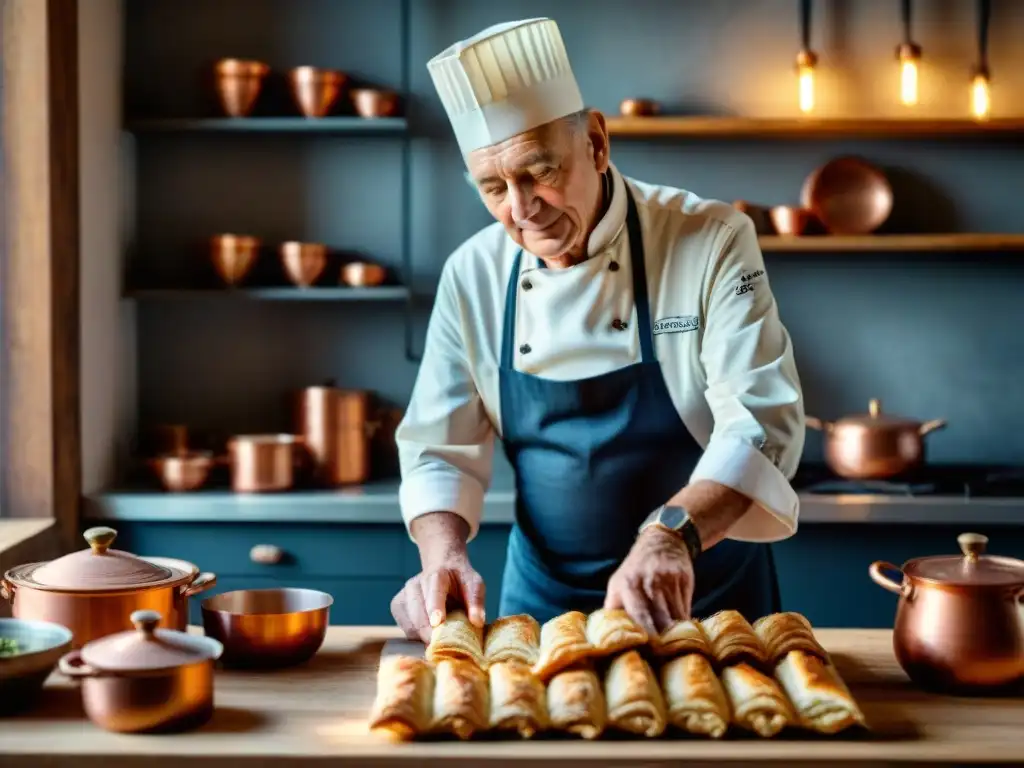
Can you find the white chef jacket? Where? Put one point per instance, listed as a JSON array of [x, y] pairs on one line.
[[726, 358]]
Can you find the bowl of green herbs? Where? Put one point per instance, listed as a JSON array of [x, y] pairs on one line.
[[29, 651]]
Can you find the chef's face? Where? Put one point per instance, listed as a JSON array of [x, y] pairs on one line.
[[544, 185]]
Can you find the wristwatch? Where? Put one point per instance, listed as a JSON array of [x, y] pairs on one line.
[[678, 521]]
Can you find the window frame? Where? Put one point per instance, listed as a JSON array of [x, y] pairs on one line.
[[40, 427]]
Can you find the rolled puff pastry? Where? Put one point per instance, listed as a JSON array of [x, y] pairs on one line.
[[635, 702], [513, 638], [563, 642], [819, 695], [694, 698], [757, 702], [576, 702], [460, 698], [403, 707], [681, 638], [732, 639], [612, 630], [456, 638], [518, 699], [781, 633]]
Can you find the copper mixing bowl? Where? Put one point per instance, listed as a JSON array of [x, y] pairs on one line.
[[303, 262], [370, 102], [185, 471], [849, 196], [233, 256], [790, 219], [363, 274], [268, 628], [238, 84], [316, 90]]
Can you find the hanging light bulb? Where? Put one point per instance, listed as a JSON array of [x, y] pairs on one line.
[[908, 54], [806, 60], [981, 103]]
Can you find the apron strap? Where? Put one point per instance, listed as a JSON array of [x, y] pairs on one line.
[[640, 298]]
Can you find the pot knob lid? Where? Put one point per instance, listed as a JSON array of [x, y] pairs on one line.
[[148, 647], [99, 567], [973, 566]]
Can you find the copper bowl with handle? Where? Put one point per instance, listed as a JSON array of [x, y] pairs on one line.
[[238, 84], [874, 446], [268, 628], [848, 196], [315, 90], [959, 626], [185, 471]]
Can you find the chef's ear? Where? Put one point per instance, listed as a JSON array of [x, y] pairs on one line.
[[597, 133]]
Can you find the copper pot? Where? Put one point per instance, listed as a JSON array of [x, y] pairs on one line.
[[180, 472], [316, 90], [233, 256], [639, 108], [370, 102], [93, 591], [363, 274], [303, 262], [264, 463], [239, 84], [848, 196], [790, 219], [958, 620], [874, 446], [146, 680], [335, 427]]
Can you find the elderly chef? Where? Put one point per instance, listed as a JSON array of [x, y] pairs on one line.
[[622, 341]]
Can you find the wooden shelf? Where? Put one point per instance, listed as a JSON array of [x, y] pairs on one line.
[[803, 128], [377, 293], [324, 125], [949, 243]]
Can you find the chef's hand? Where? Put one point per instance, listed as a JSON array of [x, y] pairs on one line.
[[422, 603], [654, 584]]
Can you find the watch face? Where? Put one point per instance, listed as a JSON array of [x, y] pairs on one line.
[[673, 517]]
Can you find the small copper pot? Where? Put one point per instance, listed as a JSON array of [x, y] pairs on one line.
[[239, 84], [303, 262], [874, 446], [233, 256], [146, 681], [363, 274], [639, 108], [959, 625], [790, 219], [264, 463], [316, 90], [370, 102], [180, 472], [335, 427]]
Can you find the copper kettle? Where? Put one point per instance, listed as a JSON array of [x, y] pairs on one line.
[[874, 446], [336, 429]]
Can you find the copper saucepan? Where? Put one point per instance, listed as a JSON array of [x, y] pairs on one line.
[[874, 446], [959, 625], [265, 463], [336, 428]]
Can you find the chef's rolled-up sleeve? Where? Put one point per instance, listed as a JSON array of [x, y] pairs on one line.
[[445, 440], [753, 390]]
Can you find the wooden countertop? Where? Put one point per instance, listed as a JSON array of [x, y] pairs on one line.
[[316, 715]]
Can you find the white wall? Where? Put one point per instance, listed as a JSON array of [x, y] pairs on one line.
[[107, 322]]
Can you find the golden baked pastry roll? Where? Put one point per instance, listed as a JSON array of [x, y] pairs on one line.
[[403, 707], [576, 702], [563, 642], [694, 699], [821, 699], [518, 699], [513, 638], [732, 639], [460, 698], [681, 638], [456, 638], [781, 633], [613, 630], [635, 702], [757, 702]]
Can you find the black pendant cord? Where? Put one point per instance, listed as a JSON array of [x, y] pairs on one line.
[[805, 24], [906, 21], [984, 13]]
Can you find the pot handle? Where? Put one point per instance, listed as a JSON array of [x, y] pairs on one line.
[[877, 573], [815, 423], [71, 665], [931, 426], [200, 583], [6, 589]]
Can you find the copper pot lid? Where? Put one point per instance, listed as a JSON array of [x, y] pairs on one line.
[[149, 648], [972, 568], [875, 419], [98, 568]]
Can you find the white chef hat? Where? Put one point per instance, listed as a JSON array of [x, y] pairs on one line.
[[505, 80]]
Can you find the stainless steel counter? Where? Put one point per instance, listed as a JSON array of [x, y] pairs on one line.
[[378, 504]]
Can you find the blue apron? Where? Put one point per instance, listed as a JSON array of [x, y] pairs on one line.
[[592, 459]]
